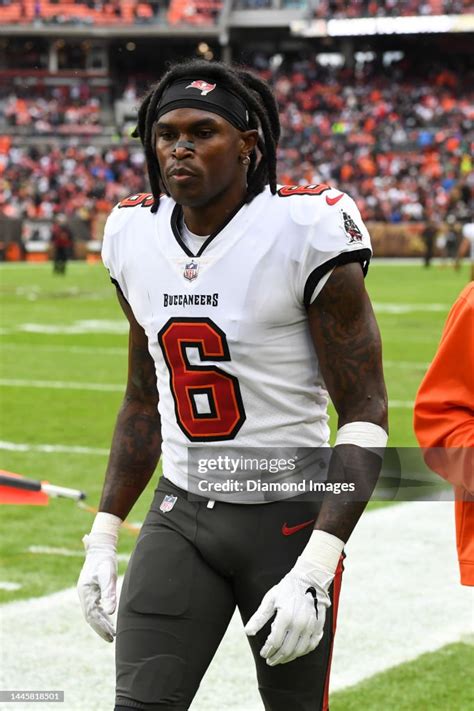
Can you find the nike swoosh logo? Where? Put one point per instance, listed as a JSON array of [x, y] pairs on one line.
[[333, 201], [289, 530]]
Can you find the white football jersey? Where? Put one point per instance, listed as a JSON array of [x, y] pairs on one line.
[[227, 327]]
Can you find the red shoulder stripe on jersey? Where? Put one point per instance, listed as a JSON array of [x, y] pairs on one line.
[[143, 199], [288, 190]]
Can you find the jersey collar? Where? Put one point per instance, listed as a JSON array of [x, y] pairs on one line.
[[177, 216]]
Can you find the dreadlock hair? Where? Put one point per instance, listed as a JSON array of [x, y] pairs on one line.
[[263, 116]]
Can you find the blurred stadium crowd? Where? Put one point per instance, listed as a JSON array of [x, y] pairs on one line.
[[61, 109], [398, 138], [388, 8], [338, 9], [111, 12]]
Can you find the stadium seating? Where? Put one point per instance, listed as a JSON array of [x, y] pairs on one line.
[[191, 12], [390, 8], [397, 141], [194, 12], [202, 12], [340, 9], [77, 11], [52, 115]]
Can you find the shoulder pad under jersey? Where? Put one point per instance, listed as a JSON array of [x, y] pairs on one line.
[[122, 212]]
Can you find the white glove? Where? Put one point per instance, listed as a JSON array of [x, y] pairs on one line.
[[97, 582], [300, 601]]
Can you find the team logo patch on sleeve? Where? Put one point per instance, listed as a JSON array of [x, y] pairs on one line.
[[204, 87], [191, 270], [168, 503], [352, 231]]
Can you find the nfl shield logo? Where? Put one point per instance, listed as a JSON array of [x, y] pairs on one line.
[[168, 503], [191, 271]]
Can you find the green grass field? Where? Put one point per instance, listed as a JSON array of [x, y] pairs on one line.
[[60, 337]]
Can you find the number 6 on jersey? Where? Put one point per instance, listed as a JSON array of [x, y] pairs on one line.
[[207, 400]]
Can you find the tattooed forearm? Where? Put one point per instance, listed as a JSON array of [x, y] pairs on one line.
[[351, 465], [347, 342], [141, 374], [136, 443], [134, 454]]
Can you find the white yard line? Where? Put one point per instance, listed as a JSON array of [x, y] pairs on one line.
[[403, 364], [400, 598], [64, 349], [108, 387], [51, 448], [102, 326], [407, 262], [61, 385], [82, 265], [406, 364], [67, 552], [401, 308], [114, 327], [5, 585]]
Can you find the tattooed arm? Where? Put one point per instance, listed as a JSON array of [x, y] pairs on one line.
[[347, 341], [136, 443]]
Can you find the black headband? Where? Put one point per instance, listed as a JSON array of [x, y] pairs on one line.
[[200, 94]]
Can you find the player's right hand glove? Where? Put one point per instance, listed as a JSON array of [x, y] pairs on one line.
[[97, 582]]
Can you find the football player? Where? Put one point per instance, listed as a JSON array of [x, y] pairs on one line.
[[247, 307]]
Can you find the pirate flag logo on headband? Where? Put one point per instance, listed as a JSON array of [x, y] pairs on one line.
[[202, 86]]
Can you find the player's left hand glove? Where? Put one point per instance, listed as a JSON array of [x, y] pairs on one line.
[[300, 601]]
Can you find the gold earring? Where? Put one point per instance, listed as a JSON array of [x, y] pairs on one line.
[[245, 160]]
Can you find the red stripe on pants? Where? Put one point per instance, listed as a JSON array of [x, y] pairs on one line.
[[335, 607]]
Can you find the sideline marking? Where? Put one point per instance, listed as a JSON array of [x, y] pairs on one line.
[[51, 448], [381, 622]]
